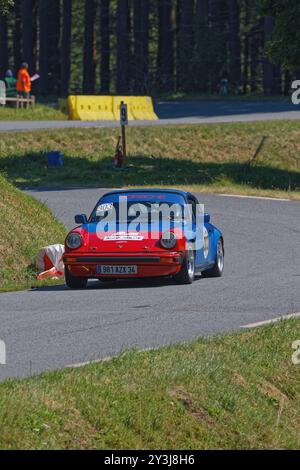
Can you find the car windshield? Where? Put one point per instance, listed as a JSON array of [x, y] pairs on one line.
[[145, 209]]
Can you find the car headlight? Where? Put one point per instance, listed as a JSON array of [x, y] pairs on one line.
[[168, 240], [74, 240]]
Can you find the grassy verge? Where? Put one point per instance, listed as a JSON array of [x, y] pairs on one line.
[[26, 226], [41, 112], [239, 391], [204, 158]]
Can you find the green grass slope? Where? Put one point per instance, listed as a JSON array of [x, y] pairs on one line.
[[239, 391], [40, 112], [26, 226], [202, 157]]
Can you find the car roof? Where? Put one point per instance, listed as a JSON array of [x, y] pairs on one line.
[[149, 190]]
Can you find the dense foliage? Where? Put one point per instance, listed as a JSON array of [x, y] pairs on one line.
[[5, 4], [284, 44], [152, 46]]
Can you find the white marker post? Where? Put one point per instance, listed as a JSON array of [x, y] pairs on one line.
[[124, 123], [2, 93], [2, 353]]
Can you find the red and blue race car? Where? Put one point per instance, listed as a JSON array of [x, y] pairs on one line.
[[144, 233]]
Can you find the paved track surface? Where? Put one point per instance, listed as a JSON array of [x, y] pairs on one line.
[[172, 113], [53, 327]]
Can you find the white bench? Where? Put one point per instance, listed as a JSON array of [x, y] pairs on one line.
[[20, 101]]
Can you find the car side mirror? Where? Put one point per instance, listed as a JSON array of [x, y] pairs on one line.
[[81, 219], [206, 218]]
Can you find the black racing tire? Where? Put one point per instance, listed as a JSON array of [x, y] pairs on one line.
[[187, 272], [218, 268], [74, 282]]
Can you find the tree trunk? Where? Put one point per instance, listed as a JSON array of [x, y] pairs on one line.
[[3, 45], [105, 46], [268, 69], [123, 47], [234, 44], [141, 45], [89, 65], [177, 40], [17, 39], [287, 83], [246, 47], [54, 47], [44, 46], [277, 80], [272, 73], [201, 54], [28, 32], [165, 56], [218, 50], [66, 47], [185, 46], [254, 42]]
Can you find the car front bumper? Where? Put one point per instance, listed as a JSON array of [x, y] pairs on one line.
[[148, 264]]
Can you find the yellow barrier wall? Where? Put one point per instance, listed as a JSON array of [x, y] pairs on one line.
[[139, 107], [107, 108], [72, 108], [91, 108], [142, 108]]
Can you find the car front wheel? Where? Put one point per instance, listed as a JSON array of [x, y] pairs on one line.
[[187, 272], [74, 282], [218, 268]]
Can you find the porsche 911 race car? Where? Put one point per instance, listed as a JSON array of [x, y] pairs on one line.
[[143, 234]]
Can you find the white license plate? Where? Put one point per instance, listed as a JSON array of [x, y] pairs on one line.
[[124, 270]]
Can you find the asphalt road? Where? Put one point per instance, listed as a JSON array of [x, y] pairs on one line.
[[53, 327], [182, 112]]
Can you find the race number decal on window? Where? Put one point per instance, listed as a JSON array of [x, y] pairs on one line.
[[105, 208]]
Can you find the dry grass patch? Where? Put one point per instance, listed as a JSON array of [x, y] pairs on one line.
[[239, 391], [202, 157]]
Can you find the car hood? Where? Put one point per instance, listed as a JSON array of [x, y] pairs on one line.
[[121, 239]]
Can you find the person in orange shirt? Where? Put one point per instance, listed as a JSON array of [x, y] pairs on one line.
[[24, 81]]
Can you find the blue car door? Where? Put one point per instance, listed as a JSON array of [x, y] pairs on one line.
[[211, 242], [201, 233]]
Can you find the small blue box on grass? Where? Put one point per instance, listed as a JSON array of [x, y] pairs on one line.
[[55, 159]]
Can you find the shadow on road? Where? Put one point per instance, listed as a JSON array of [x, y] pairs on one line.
[[117, 285], [42, 189], [204, 109]]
